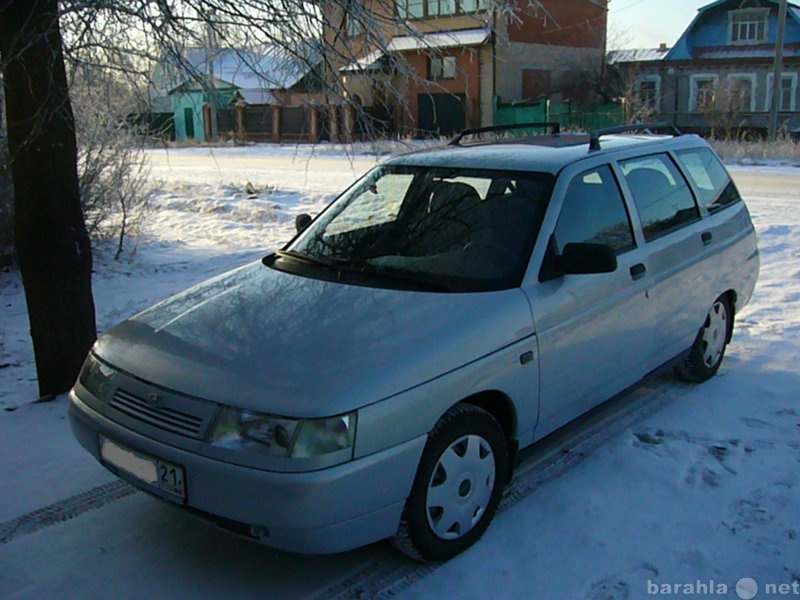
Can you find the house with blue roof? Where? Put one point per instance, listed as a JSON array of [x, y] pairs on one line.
[[718, 76]]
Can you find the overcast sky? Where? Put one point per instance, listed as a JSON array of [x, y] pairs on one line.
[[647, 23]]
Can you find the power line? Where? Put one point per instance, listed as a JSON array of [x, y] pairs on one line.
[[638, 2]]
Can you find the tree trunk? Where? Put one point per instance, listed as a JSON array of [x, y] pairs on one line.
[[52, 244]]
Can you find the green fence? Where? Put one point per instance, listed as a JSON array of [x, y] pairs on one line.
[[569, 116]]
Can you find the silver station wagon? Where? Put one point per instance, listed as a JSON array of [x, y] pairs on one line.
[[377, 376]]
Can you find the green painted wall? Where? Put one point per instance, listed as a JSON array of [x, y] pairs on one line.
[[194, 101]]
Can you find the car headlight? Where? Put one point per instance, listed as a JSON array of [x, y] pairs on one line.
[[252, 431], [97, 377]]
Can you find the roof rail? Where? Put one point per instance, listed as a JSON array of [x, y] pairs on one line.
[[456, 141], [594, 136]]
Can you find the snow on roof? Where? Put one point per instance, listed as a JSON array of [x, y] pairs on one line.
[[370, 62], [265, 68], [442, 39], [423, 41], [637, 55]]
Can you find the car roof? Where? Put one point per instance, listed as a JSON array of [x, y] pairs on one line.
[[543, 153]]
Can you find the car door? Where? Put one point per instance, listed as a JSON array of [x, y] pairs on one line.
[[677, 246], [594, 331]]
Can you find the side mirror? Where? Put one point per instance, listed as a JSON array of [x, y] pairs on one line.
[[586, 259], [301, 222]]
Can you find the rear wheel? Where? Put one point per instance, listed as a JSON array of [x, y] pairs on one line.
[[458, 485], [708, 350]]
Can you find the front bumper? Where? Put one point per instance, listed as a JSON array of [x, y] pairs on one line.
[[329, 510]]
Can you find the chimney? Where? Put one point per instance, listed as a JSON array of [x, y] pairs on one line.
[[662, 47]]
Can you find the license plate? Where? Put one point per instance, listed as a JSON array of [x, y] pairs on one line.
[[166, 476]]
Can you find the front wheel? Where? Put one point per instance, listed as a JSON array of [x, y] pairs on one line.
[[457, 487], [708, 350]]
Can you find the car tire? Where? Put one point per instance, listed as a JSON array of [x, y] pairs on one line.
[[457, 488], [706, 354]]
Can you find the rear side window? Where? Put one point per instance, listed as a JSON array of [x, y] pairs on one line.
[[662, 196], [594, 212], [715, 188]]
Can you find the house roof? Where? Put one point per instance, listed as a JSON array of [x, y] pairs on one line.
[[424, 41], [248, 70], [686, 49], [636, 55]]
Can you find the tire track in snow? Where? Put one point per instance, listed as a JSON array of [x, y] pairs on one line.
[[65, 510]]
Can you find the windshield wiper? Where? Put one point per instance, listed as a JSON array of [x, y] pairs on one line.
[[308, 258], [364, 268], [429, 282]]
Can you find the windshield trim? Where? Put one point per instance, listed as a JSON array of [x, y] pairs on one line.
[[349, 253]]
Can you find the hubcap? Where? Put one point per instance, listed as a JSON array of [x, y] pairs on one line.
[[715, 334], [460, 487]]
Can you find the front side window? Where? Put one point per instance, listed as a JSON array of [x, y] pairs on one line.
[[451, 229], [662, 196], [748, 26], [594, 212], [714, 186]]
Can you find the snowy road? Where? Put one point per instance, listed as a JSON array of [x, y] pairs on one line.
[[687, 483]]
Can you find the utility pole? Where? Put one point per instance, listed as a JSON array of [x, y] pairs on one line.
[[777, 73], [211, 53]]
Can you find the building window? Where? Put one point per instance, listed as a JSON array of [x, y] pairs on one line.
[[702, 92], [748, 25], [648, 92], [787, 93], [443, 67], [419, 9], [353, 26], [741, 91], [411, 9]]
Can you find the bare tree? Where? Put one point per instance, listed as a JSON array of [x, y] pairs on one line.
[[112, 172]]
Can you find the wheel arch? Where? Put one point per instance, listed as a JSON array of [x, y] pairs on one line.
[[732, 297], [500, 406]]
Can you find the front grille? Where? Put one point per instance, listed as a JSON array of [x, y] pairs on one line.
[[166, 418]]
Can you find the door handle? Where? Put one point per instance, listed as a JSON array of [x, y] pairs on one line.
[[707, 238], [637, 271]]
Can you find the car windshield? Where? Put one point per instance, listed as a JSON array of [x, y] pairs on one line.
[[423, 227]]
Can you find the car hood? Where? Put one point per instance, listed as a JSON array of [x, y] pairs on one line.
[[266, 340]]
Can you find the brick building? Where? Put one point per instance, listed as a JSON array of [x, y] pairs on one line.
[[433, 67]]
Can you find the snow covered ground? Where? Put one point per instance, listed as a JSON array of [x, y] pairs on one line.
[[686, 502]]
